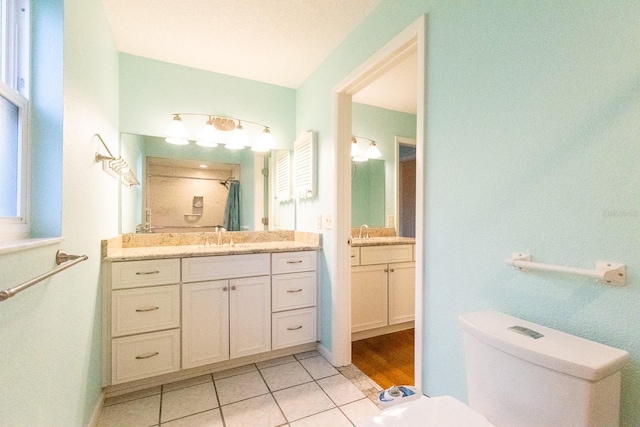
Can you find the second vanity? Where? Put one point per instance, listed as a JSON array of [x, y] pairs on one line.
[[172, 311], [382, 285]]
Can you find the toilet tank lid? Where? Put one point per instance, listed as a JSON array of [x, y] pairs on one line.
[[555, 350]]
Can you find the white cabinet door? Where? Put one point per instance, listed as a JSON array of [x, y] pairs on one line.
[[368, 297], [250, 315], [205, 323], [402, 291]]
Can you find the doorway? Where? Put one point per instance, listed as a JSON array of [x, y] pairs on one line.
[[410, 40]]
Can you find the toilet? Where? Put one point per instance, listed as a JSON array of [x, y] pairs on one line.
[[522, 374]]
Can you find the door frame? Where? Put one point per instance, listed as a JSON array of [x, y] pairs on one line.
[[413, 37]]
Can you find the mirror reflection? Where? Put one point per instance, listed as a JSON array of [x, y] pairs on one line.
[[368, 193], [197, 201]]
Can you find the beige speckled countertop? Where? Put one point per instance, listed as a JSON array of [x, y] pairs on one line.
[[129, 247], [382, 241]]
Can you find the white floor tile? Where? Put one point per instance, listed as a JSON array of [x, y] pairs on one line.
[[261, 411], [188, 401], [307, 354], [287, 375], [318, 367], [203, 379], [135, 413], [275, 362], [302, 401], [203, 419], [333, 418], [340, 390], [360, 410], [234, 371], [240, 387], [132, 396]]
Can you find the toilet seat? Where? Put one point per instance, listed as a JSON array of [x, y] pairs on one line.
[[443, 411]]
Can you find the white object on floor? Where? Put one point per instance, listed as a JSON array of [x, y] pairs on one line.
[[398, 394], [443, 411]]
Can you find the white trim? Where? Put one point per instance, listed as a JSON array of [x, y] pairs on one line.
[[24, 244], [97, 409], [414, 37]]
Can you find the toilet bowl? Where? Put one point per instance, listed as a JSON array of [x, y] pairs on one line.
[[442, 411]]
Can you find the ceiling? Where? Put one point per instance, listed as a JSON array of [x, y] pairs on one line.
[[279, 42]]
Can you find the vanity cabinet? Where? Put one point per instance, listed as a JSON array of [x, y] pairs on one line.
[[293, 288], [144, 319], [162, 316], [223, 319], [382, 293]]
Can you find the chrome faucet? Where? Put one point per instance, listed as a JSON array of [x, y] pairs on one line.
[[220, 230], [360, 234]]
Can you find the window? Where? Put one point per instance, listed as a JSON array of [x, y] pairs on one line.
[[14, 104]]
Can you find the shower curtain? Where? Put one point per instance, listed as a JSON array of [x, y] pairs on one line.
[[232, 209]]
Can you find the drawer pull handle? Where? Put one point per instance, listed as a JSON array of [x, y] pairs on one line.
[[291, 291], [147, 355], [294, 262], [142, 310], [353, 256], [294, 329], [142, 273]]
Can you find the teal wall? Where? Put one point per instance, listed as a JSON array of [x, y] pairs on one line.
[[367, 193], [381, 125], [50, 333], [151, 91], [532, 144]]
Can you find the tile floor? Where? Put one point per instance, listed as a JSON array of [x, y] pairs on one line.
[[297, 391]]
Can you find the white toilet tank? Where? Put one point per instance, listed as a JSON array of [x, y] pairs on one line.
[[526, 375]]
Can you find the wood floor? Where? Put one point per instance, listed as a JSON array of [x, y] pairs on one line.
[[386, 359]]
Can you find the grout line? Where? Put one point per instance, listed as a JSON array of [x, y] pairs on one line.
[[160, 411]]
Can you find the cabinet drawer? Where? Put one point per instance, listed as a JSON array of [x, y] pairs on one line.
[[293, 327], [144, 310], [295, 290], [386, 253], [355, 256], [135, 274], [146, 355], [291, 262], [202, 269]]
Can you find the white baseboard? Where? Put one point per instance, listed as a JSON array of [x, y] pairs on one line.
[[326, 353], [93, 421]]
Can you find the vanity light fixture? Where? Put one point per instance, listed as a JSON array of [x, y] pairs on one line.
[[219, 130], [356, 153]]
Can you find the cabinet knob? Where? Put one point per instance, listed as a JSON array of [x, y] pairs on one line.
[[392, 270], [225, 289], [233, 288], [386, 270]]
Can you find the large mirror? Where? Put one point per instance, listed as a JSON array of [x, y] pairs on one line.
[[186, 188], [368, 193]]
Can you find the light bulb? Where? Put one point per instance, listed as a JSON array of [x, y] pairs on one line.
[[176, 129], [355, 149]]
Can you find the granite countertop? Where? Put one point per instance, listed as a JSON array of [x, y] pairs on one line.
[[382, 241], [187, 251]]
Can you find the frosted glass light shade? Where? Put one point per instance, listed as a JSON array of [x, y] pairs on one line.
[[238, 139], [176, 129], [177, 141], [355, 149], [264, 142], [373, 152], [209, 136]]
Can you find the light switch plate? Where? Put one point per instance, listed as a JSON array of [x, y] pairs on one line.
[[327, 221]]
